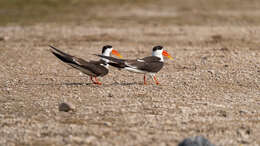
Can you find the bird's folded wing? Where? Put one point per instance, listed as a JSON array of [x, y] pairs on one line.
[[149, 64], [94, 67]]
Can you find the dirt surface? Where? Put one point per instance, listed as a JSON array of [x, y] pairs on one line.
[[211, 88]]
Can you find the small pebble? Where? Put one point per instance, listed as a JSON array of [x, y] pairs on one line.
[[107, 124], [110, 95], [65, 107], [4, 38]]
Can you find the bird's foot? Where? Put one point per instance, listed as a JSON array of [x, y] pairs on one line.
[[156, 81], [98, 83]]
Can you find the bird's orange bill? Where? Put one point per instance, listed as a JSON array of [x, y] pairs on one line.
[[167, 54], [116, 53]]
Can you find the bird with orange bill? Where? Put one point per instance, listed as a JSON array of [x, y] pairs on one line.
[[93, 69], [147, 65]]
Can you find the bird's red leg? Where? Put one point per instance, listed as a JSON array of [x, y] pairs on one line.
[[144, 80], [91, 78], [156, 81], [97, 82]]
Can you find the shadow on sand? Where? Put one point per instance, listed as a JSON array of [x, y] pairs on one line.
[[83, 84], [59, 84], [125, 84], [91, 84]]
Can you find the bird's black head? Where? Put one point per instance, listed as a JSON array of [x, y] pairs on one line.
[[157, 48], [106, 47]]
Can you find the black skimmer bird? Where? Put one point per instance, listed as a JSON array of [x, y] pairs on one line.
[[92, 68], [148, 65]]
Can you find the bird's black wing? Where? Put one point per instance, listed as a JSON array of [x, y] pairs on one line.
[[91, 68], [149, 64]]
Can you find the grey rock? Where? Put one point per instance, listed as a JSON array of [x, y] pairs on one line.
[[195, 141], [66, 107]]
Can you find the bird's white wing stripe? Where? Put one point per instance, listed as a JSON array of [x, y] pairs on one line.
[[75, 60], [130, 65], [140, 60]]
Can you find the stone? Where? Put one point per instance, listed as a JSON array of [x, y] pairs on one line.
[[66, 107], [195, 141]]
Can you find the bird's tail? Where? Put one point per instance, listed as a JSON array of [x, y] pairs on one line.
[[62, 56]]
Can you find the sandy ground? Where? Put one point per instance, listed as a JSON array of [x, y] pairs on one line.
[[211, 88]]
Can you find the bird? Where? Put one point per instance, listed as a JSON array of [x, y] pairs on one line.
[[91, 68], [147, 65]]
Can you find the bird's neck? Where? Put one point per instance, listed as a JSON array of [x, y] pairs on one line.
[[104, 59], [158, 54], [106, 53]]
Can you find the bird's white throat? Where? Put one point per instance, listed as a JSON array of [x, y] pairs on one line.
[[107, 53], [158, 53]]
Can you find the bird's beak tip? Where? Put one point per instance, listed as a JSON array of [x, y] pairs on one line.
[[116, 53], [170, 58]]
